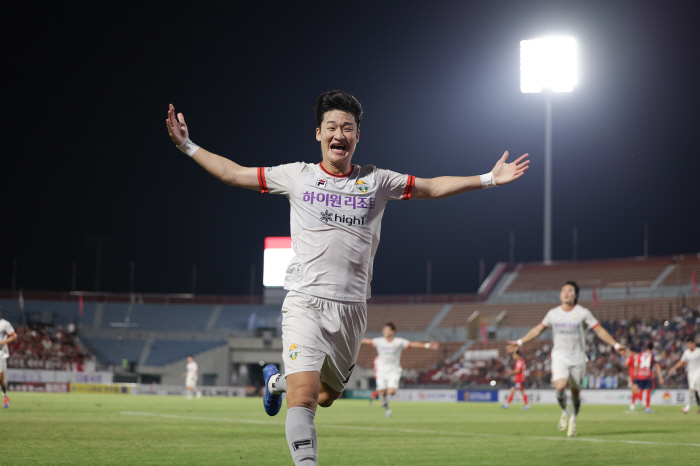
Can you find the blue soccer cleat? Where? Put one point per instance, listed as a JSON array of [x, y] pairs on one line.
[[272, 403], [505, 406], [648, 410], [526, 407], [5, 402]]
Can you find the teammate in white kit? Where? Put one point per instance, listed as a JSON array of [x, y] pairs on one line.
[[335, 219], [388, 372], [569, 323], [191, 378], [7, 335], [691, 359]]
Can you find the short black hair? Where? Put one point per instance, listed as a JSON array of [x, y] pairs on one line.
[[690, 338], [391, 326], [650, 346], [190, 356], [575, 285], [337, 100]]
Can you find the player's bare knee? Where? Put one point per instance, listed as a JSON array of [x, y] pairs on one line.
[[392, 391]]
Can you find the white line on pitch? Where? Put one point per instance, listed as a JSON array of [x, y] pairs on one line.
[[408, 431]]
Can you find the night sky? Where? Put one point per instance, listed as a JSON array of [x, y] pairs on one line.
[[87, 158]]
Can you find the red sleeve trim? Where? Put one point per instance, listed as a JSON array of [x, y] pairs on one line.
[[408, 345], [13, 333], [597, 324], [410, 183], [261, 180], [543, 325]]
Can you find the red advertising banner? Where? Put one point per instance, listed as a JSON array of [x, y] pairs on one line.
[[41, 387]]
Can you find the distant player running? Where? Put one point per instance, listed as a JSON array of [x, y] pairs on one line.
[[389, 348], [191, 378], [335, 220], [690, 358], [569, 323], [636, 392], [7, 335], [642, 375], [518, 373]]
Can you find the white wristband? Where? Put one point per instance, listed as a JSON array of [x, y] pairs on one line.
[[487, 180], [617, 346], [188, 147], [427, 346], [520, 342]]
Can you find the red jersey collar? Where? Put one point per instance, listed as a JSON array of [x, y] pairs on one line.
[[352, 169]]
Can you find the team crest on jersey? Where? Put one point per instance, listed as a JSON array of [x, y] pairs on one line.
[[321, 183], [362, 186], [294, 351]]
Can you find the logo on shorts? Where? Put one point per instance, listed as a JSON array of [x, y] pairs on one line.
[[294, 351], [362, 186]]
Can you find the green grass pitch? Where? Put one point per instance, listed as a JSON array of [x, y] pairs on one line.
[[76, 429]]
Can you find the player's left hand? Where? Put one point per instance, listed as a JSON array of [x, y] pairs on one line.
[[661, 380], [434, 345], [623, 351], [512, 347], [504, 172], [177, 128]]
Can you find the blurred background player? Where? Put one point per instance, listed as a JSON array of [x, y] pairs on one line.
[[636, 393], [691, 358], [642, 375], [518, 373], [7, 335], [569, 322], [388, 372], [191, 378]]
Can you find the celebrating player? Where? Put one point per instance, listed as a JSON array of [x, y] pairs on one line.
[[191, 378], [569, 323], [642, 375], [691, 358], [336, 211], [389, 348], [7, 335], [518, 373]]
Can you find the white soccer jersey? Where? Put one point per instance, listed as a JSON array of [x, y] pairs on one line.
[[6, 331], [191, 369], [335, 224], [389, 352], [692, 361], [569, 332]]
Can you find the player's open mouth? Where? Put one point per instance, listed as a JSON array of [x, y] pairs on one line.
[[338, 149]]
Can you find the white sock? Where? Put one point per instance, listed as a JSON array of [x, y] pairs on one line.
[[301, 436], [277, 384], [572, 418]]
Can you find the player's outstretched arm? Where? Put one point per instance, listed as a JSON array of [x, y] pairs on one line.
[[366, 341], [433, 345], [224, 169], [446, 186], [534, 332], [678, 365], [607, 338], [657, 368]]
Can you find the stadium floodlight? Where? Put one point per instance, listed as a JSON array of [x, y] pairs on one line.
[[549, 63], [278, 253]]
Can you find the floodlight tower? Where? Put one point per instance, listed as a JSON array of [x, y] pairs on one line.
[[548, 63]]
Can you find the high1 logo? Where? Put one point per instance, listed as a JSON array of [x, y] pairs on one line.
[[348, 220]]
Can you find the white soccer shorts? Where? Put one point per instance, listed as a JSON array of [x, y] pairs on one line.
[[694, 381], [572, 372], [388, 379], [320, 335], [191, 382]]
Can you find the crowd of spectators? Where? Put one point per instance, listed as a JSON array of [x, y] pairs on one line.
[[605, 369], [50, 348]]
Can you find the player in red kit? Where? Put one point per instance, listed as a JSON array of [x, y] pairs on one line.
[[636, 392], [643, 377], [518, 373]]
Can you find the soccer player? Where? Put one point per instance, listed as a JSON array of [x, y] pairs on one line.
[[691, 358], [7, 335], [375, 393], [336, 212], [389, 348], [518, 373], [642, 375], [569, 322], [191, 378]]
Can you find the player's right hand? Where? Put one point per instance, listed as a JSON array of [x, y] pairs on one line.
[[512, 347], [177, 128]]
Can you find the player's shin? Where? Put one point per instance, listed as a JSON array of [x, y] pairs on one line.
[[561, 398], [697, 397], [525, 399], [301, 436], [647, 392], [576, 401]]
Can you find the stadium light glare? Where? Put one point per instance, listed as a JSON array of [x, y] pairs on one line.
[[278, 253], [548, 63]]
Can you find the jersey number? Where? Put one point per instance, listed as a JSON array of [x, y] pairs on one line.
[[352, 368], [645, 361]]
